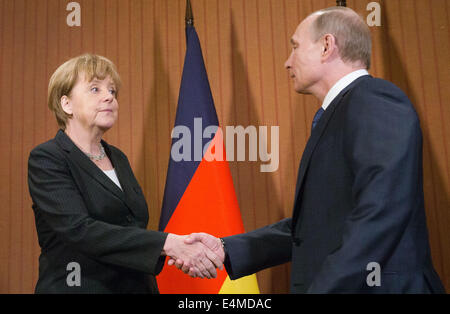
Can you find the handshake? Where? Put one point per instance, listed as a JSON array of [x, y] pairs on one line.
[[197, 254]]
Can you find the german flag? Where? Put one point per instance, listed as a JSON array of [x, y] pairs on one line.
[[199, 194]]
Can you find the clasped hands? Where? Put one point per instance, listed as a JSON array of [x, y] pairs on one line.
[[197, 254]]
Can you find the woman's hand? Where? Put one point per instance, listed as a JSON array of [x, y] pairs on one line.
[[196, 259]]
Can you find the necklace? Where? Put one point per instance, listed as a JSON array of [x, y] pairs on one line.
[[97, 157]]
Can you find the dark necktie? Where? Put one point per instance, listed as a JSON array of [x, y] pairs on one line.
[[317, 117]]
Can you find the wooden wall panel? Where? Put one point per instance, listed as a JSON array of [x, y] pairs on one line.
[[245, 45]]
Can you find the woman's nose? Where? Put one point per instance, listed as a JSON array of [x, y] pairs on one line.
[[108, 96]]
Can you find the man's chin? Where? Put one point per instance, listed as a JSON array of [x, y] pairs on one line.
[[302, 91]]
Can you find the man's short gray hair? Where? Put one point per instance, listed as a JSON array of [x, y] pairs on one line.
[[350, 31]]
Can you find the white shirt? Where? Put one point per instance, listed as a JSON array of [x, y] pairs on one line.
[[113, 176], [340, 85]]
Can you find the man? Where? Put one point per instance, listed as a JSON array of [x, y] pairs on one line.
[[358, 222]]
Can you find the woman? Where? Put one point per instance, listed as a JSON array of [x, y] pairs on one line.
[[91, 215]]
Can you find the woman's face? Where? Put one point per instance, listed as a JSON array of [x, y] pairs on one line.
[[93, 104]]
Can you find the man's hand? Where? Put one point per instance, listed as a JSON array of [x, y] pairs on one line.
[[197, 258], [214, 244]]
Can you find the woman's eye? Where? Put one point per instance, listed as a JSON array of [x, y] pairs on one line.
[[94, 89], [112, 91]]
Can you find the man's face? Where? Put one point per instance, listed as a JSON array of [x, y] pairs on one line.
[[304, 63]]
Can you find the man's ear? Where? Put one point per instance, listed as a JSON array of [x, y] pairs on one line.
[[66, 105], [328, 46]]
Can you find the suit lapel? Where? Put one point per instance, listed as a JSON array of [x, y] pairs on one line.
[[123, 174], [313, 140], [77, 156]]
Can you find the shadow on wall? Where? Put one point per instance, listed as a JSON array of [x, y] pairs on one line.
[[258, 205], [155, 132], [436, 198]]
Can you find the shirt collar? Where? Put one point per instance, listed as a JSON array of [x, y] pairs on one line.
[[340, 85]]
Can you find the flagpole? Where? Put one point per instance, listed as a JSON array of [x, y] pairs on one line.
[[189, 18], [341, 3]]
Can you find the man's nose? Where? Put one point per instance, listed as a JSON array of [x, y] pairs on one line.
[[287, 64]]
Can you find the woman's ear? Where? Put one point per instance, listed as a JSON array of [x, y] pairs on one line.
[[66, 105]]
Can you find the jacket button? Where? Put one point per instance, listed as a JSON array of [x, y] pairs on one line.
[[297, 241], [129, 218]]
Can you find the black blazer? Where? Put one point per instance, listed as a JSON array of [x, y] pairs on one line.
[[359, 199], [83, 217]]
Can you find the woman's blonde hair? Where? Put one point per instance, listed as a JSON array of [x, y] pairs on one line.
[[65, 77]]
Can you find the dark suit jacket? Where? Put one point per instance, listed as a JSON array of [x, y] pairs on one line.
[[359, 199], [84, 217]]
